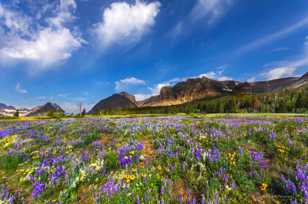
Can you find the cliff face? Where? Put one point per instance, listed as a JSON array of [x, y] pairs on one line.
[[198, 88], [190, 90]]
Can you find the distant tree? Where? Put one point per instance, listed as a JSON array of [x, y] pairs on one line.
[[83, 112], [16, 114]]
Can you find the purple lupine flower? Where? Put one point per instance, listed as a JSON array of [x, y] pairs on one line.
[[272, 135], [263, 163], [57, 174], [214, 132], [214, 154], [10, 152], [288, 185], [203, 200], [302, 177], [12, 198], [39, 171], [139, 146], [85, 156], [241, 151], [250, 131], [38, 188], [44, 138], [181, 199], [197, 153], [110, 187], [256, 156], [300, 173], [4, 133], [138, 200], [124, 158], [125, 161]]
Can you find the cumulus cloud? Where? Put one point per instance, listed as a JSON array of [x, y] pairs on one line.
[[124, 83], [124, 23], [40, 49], [211, 9], [28, 41], [19, 89]]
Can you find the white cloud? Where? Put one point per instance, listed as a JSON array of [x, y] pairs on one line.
[[158, 87], [155, 90], [211, 9], [287, 68], [19, 89], [279, 72], [285, 71], [141, 97], [65, 13], [273, 36], [29, 41], [251, 79], [41, 49], [124, 83], [14, 21], [123, 22], [217, 75]]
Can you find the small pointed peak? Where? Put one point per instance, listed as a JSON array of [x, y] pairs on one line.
[[305, 75]]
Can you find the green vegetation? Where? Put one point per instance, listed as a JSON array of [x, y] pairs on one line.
[[217, 158], [286, 101]]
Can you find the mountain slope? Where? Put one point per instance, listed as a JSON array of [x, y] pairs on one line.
[[4, 106], [46, 109], [117, 101], [190, 90], [199, 88]]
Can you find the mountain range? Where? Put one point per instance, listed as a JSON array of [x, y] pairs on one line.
[[196, 89], [42, 110], [181, 93]]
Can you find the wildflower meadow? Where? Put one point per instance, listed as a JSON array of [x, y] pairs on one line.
[[172, 159]]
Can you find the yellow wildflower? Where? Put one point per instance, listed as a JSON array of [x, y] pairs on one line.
[[128, 178], [231, 158], [263, 186]]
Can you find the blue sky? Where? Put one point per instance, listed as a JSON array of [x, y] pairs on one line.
[[80, 51]]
